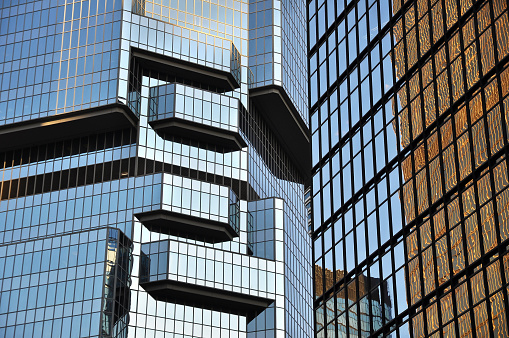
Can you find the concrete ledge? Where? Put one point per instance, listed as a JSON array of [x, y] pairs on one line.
[[176, 224], [66, 125], [207, 297], [277, 109]]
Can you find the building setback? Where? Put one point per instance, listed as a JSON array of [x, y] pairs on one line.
[[154, 159], [409, 120]]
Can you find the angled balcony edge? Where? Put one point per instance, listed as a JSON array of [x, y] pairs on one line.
[[279, 112], [207, 297], [186, 70], [176, 224], [66, 125], [230, 140]]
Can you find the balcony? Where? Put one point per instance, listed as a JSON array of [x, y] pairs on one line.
[[213, 66], [66, 125], [176, 109], [192, 209], [202, 281], [207, 297]]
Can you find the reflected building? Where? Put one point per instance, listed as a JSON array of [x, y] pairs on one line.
[[371, 307], [155, 157], [409, 104]]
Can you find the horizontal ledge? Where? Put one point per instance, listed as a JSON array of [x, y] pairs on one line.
[[207, 297], [189, 71], [228, 139], [279, 112], [176, 224], [66, 125]]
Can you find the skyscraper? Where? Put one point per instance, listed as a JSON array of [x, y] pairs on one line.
[[409, 131], [154, 157]]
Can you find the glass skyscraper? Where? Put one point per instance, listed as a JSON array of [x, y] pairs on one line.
[[410, 207], [154, 158]]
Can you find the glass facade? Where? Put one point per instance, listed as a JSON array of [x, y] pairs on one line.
[[409, 115], [144, 193]]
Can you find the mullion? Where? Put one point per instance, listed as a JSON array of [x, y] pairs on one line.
[[366, 225], [482, 119], [455, 145], [475, 214], [427, 175], [440, 147], [461, 223], [412, 180]]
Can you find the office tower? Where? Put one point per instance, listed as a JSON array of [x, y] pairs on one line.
[[409, 117], [155, 156]]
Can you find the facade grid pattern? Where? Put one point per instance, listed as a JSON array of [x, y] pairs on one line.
[[170, 84], [409, 130]]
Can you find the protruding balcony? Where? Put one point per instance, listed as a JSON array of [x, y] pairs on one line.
[[66, 125], [201, 282], [176, 109], [207, 297], [214, 62], [193, 209]]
